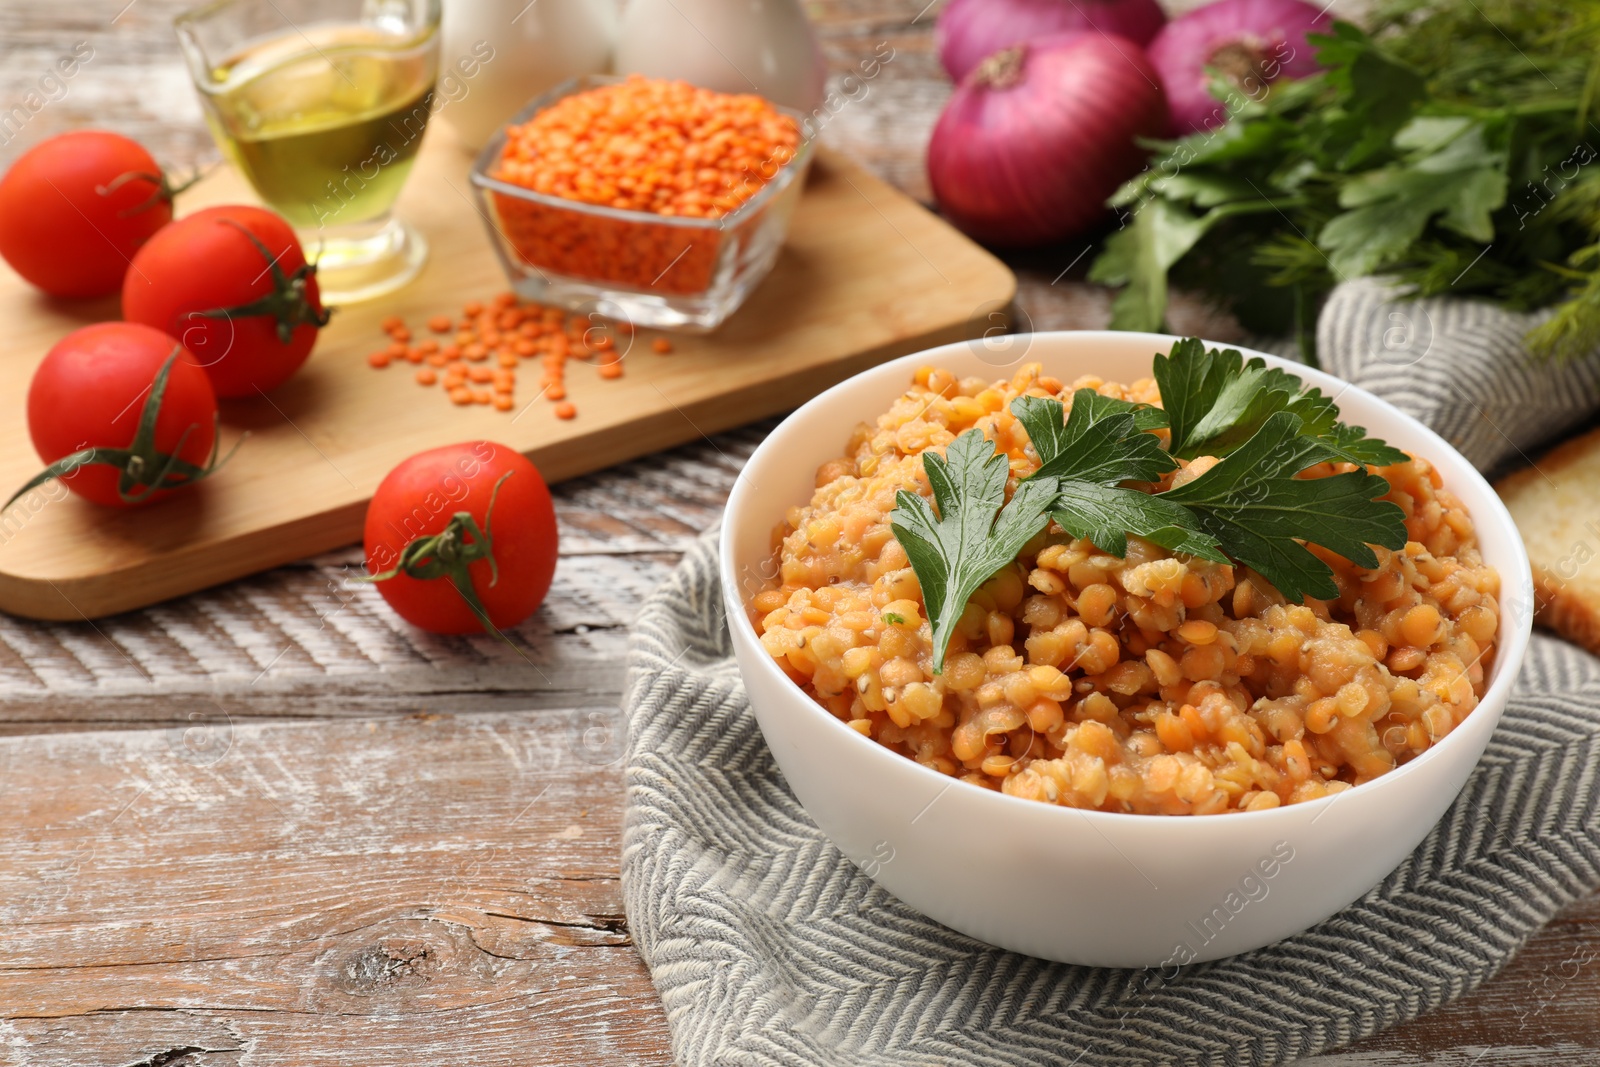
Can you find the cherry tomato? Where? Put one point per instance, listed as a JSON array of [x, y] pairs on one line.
[[415, 525], [233, 284], [91, 390], [75, 208]]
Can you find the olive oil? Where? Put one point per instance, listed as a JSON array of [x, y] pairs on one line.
[[326, 124]]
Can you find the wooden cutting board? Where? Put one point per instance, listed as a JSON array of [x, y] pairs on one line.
[[867, 275]]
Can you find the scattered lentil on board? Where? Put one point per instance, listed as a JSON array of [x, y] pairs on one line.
[[1156, 684], [511, 332]]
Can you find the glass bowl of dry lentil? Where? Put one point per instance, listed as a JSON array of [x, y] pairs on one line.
[[646, 200], [1203, 693]]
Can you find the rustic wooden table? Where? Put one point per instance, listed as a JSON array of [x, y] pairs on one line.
[[269, 824]]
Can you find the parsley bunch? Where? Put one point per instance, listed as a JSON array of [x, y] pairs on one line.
[[1454, 148], [1250, 507]]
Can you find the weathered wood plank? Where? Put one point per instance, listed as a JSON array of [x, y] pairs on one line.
[[365, 892], [425, 889]]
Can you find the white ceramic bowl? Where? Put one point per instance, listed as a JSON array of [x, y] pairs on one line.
[[1084, 886]]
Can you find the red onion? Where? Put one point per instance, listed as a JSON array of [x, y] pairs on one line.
[[970, 30], [1250, 42], [1038, 136]]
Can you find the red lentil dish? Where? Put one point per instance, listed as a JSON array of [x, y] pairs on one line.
[[1152, 681]]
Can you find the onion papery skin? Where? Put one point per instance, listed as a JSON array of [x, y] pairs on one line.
[[1031, 157], [969, 31], [1256, 42]]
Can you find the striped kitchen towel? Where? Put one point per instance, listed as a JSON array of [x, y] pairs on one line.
[[1459, 366], [769, 947]]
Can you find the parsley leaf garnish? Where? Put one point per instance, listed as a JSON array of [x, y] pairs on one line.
[[1101, 443], [1253, 504], [1106, 515], [1191, 380], [1250, 507], [1217, 401], [972, 536]]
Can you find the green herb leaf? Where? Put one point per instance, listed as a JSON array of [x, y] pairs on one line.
[[1139, 256], [1101, 441], [1216, 401], [1452, 149], [1449, 171], [1255, 507], [973, 535], [1191, 379], [1248, 398], [1351, 444], [1106, 515], [1375, 95]]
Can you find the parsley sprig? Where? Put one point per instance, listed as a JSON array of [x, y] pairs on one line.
[[1451, 148], [1250, 507], [972, 536], [1090, 455]]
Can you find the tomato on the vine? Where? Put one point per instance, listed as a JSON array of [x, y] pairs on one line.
[[119, 415], [232, 283], [462, 539], [75, 208]]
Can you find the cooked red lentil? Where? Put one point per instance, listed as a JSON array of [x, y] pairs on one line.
[[1155, 684]]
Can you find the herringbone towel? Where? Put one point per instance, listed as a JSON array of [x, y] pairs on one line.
[[806, 962]]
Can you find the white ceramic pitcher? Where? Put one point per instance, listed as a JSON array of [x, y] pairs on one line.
[[735, 46], [497, 55]]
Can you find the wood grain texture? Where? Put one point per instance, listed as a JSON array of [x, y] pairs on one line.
[[446, 885], [622, 529], [866, 275]]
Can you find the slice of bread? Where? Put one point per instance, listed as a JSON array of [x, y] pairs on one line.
[[1556, 504]]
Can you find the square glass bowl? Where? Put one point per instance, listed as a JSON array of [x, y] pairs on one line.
[[662, 271]]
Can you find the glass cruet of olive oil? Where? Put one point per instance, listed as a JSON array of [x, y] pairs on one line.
[[322, 105]]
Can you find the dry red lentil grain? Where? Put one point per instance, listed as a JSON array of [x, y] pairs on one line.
[[509, 333], [660, 147]]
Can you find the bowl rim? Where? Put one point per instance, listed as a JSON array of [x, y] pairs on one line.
[[785, 176], [1515, 603]]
